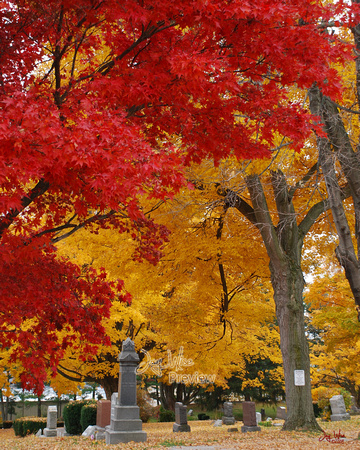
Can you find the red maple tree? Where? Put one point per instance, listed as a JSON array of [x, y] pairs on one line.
[[105, 100]]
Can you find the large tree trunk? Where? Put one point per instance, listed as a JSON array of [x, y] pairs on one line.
[[176, 392], [284, 244], [3, 409], [167, 396], [110, 385], [287, 281]]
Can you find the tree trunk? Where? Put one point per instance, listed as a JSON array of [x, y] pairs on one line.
[[167, 396], [287, 281], [284, 244], [110, 385], [3, 409], [337, 143], [39, 407], [357, 397], [176, 392]]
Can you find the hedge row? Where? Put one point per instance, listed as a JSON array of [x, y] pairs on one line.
[[88, 415], [28, 425], [72, 416]]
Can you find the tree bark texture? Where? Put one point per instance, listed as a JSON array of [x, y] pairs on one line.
[[283, 244], [337, 146], [176, 392]]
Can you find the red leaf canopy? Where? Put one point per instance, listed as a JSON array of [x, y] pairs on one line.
[[105, 100]]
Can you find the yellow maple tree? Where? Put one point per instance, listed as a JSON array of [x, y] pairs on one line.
[[208, 295]]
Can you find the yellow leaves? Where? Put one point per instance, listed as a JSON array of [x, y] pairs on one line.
[[65, 386], [254, 383], [334, 359], [323, 392], [203, 433], [209, 295]]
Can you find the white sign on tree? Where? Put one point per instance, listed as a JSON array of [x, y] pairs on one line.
[[299, 377]]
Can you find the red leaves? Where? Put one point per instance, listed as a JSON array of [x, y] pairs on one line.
[[41, 296], [104, 101]]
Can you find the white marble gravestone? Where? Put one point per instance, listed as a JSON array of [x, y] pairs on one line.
[[50, 430]]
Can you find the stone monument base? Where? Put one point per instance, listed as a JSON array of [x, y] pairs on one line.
[[245, 429], [228, 420], [338, 417], [50, 432], [100, 433], [117, 437], [181, 428], [125, 425]]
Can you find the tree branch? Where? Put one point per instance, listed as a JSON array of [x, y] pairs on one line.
[[41, 187]]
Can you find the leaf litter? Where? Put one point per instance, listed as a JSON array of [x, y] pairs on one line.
[[160, 435]]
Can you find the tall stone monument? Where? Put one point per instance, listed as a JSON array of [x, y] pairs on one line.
[[180, 418], [125, 424]]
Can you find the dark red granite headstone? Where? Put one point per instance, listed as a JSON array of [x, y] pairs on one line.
[[103, 413], [249, 414]]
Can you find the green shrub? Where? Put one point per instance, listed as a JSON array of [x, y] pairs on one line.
[[265, 424], [72, 415], [28, 425], [143, 402], [88, 415], [166, 415], [7, 424], [317, 410]]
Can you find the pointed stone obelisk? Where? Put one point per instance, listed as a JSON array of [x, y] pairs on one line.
[[125, 424]]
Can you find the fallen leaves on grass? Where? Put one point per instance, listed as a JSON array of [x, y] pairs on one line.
[[160, 435]]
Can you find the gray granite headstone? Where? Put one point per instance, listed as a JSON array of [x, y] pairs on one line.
[[338, 409], [180, 424], [228, 417], [281, 412], [50, 430], [354, 410], [125, 424]]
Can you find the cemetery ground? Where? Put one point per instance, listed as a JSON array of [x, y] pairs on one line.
[[203, 433]]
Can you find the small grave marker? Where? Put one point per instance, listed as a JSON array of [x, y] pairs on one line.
[[180, 424], [228, 417], [338, 409]]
